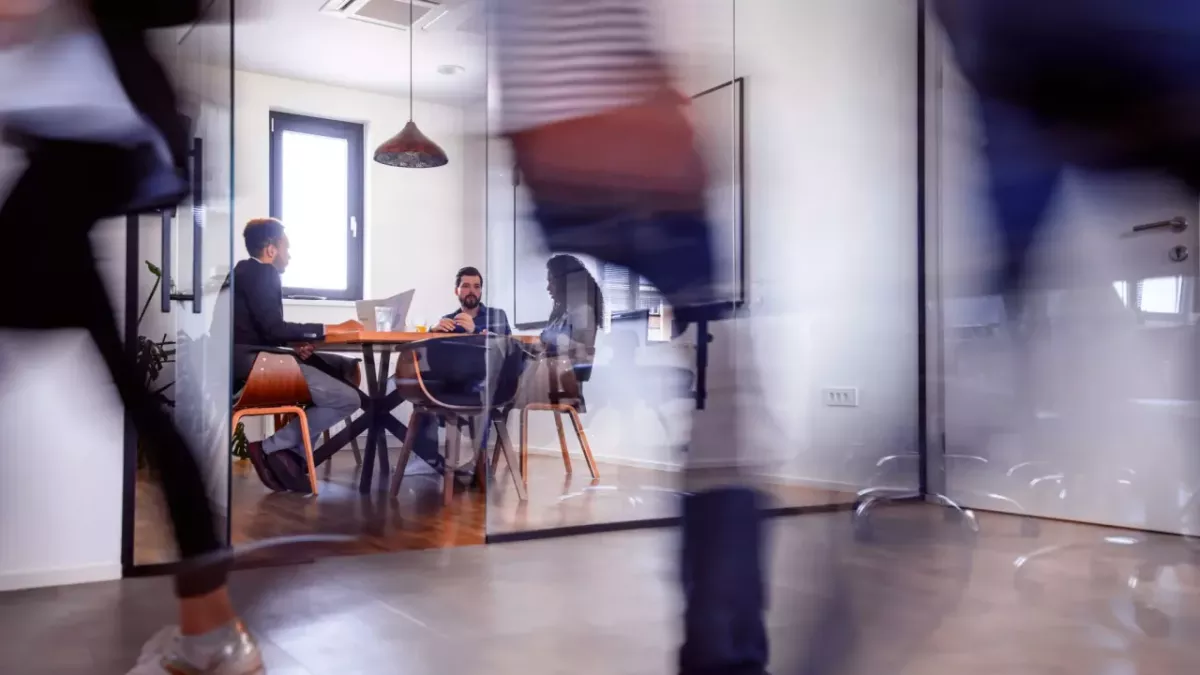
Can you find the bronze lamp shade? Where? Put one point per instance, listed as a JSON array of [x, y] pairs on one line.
[[411, 149]]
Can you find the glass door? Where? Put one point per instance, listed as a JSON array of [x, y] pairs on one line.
[[186, 311]]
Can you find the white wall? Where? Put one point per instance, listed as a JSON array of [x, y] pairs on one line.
[[414, 229], [60, 484], [831, 133], [830, 190]]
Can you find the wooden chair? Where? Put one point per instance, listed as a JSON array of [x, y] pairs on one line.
[[277, 387], [566, 398], [418, 386]]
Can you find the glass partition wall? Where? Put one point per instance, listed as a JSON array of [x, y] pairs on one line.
[[1076, 400], [178, 299], [806, 114]]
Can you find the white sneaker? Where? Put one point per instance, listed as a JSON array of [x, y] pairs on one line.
[[163, 655]]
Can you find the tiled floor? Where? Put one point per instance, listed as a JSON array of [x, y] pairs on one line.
[[925, 598]]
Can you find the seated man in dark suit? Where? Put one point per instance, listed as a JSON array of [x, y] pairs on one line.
[[472, 316], [258, 322]]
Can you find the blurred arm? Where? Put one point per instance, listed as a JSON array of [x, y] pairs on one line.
[[146, 14]]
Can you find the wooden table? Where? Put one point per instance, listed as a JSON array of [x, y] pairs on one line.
[[377, 419]]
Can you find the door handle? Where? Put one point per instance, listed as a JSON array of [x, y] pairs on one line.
[[198, 213], [1176, 224], [197, 294], [165, 285]]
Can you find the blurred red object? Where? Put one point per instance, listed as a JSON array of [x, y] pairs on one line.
[[645, 152]]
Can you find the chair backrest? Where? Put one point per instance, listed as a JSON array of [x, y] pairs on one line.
[[275, 380], [458, 372]]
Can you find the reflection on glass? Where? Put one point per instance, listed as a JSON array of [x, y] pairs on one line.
[[314, 209], [1160, 295], [1122, 289]]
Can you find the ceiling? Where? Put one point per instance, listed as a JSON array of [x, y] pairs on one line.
[[293, 38]]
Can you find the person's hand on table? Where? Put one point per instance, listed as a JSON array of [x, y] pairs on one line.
[[350, 326], [465, 322], [304, 351], [445, 326]]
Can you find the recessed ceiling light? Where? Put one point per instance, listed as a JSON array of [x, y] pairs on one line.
[[450, 69]]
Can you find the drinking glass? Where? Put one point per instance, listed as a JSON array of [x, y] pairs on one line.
[[383, 319]]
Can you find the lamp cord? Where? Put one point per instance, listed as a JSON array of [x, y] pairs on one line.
[[410, 60]]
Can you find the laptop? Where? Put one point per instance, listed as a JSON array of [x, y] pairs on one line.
[[400, 305]]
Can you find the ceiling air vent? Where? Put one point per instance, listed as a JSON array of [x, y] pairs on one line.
[[433, 15]]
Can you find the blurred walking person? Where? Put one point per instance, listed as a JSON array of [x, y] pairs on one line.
[[95, 153], [1099, 84], [602, 142]]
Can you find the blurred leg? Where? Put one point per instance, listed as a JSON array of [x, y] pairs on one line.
[[53, 234], [1023, 176], [48, 214], [721, 565]]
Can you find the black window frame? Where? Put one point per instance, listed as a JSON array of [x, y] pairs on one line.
[[354, 134]]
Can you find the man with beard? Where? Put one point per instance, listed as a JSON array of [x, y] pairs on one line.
[[468, 286], [472, 317]]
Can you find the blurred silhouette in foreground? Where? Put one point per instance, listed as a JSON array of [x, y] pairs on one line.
[[96, 117], [1099, 84], [602, 141]]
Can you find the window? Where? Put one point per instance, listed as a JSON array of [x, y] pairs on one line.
[[625, 291], [1160, 295], [317, 191]]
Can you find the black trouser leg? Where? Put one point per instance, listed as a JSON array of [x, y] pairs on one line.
[[721, 557], [47, 216], [168, 453]]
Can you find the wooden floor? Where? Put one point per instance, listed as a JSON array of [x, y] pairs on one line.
[[620, 494], [418, 520]]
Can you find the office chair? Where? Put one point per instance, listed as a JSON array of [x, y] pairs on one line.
[[455, 379], [276, 386]]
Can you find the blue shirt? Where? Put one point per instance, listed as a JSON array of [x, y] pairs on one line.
[[494, 321]]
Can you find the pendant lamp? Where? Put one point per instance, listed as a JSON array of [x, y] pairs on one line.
[[411, 149]]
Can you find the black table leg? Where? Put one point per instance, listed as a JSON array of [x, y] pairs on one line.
[[368, 468], [382, 413], [342, 438], [395, 426]]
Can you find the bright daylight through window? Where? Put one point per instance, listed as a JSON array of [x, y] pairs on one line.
[[317, 191], [315, 202]]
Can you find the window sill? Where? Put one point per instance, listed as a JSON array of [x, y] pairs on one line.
[[295, 302]]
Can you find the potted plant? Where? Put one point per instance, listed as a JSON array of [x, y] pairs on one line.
[[152, 358]]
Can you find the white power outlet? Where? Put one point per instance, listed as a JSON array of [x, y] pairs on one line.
[[840, 397]]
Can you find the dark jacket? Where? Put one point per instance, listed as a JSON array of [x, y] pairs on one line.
[[122, 25], [494, 321], [258, 315]]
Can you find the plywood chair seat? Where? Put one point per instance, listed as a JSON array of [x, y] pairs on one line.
[[276, 386]]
